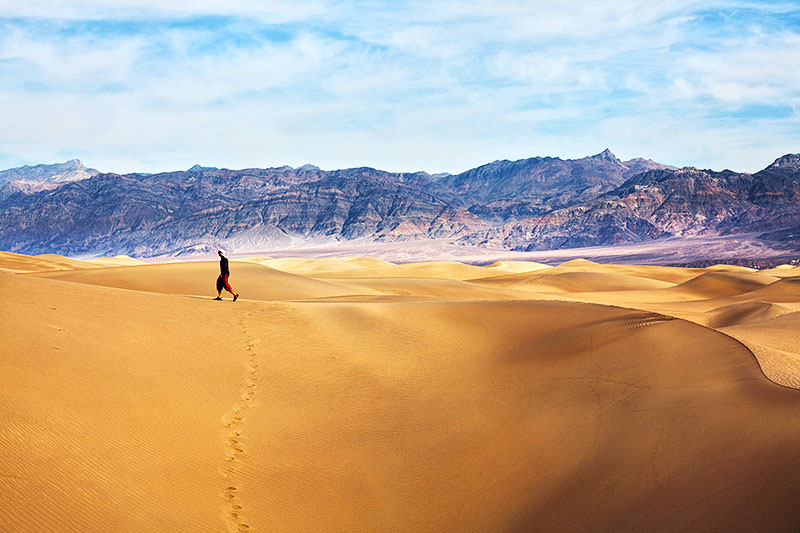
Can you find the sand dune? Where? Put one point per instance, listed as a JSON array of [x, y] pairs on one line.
[[724, 284], [559, 281], [117, 260], [517, 266], [17, 263], [330, 266], [355, 394], [259, 282]]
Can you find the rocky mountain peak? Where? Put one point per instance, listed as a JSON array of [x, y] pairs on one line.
[[606, 155], [197, 168], [791, 161]]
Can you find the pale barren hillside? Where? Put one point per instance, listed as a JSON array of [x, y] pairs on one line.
[[362, 395]]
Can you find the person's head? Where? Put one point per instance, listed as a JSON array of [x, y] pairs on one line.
[[220, 252]]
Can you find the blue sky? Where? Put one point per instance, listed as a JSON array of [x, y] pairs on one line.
[[438, 85]]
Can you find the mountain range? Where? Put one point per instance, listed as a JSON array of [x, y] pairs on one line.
[[541, 203]]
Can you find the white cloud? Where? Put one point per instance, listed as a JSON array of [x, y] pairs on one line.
[[272, 11], [437, 85], [79, 60]]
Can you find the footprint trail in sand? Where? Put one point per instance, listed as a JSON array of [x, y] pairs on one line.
[[233, 438]]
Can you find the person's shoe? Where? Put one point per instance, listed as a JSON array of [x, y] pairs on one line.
[[235, 296], [218, 298]]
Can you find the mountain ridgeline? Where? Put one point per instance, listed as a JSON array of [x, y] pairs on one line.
[[532, 204]]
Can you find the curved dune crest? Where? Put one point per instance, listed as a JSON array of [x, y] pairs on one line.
[[518, 266], [738, 313], [721, 284]]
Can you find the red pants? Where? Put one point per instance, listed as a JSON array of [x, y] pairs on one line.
[[222, 283]]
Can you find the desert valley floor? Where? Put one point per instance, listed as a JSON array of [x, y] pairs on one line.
[[361, 395]]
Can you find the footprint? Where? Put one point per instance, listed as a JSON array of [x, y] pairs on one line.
[[243, 527]]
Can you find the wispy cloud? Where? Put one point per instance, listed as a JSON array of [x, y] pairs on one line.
[[437, 85]]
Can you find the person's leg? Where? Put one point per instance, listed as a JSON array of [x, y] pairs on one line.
[[229, 288], [220, 286]]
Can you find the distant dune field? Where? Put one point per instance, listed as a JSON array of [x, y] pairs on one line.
[[354, 394]]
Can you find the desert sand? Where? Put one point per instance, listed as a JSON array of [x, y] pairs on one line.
[[355, 394]]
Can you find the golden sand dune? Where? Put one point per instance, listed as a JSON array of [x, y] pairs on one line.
[[368, 267], [117, 260], [559, 281], [783, 271], [517, 266], [17, 263], [330, 266], [739, 313], [133, 402], [257, 281], [724, 284], [671, 275]]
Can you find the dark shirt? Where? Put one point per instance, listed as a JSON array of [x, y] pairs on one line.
[[223, 266]]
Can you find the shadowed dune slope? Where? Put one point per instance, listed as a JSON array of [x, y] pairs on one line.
[[739, 313], [528, 416]]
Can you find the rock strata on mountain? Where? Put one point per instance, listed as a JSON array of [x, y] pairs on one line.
[[532, 204], [516, 189], [662, 203]]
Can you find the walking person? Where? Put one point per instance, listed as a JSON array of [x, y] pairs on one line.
[[222, 280]]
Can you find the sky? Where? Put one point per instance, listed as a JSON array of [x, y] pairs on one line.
[[435, 85]]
